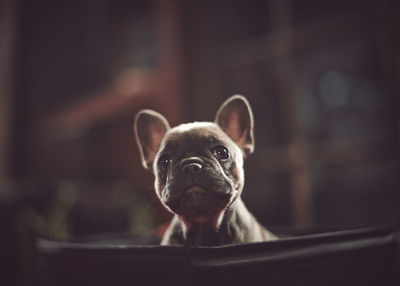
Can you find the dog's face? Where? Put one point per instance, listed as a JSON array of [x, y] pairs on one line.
[[198, 166], [198, 171]]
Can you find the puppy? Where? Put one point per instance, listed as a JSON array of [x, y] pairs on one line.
[[198, 169]]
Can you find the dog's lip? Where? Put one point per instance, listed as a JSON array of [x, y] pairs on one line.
[[194, 189], [174, 200], [199, 217], [166, 195], [196, 202]]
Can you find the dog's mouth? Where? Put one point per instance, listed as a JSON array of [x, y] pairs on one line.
[[199, 207], [197, 204]]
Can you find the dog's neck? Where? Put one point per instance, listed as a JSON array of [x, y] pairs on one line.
[[236, 226]]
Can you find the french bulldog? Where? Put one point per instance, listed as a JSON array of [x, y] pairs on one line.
[[199, 177]]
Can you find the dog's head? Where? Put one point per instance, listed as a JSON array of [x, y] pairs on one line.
[[198, 166]]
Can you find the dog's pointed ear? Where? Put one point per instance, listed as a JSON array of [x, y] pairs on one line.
[[149, 129], [235, 117]]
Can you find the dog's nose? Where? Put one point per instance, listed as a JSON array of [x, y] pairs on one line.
[[192, 165]]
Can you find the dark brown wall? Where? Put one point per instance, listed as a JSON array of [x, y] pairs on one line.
[[322, 77]]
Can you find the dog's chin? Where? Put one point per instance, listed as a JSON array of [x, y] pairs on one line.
[[197, 201], [198, 206]]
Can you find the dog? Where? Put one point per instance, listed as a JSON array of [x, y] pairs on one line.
[[199, 176]]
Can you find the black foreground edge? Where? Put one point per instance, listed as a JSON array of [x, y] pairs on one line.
[[367, 256]]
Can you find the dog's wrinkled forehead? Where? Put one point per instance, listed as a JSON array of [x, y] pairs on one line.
[[192, 138]]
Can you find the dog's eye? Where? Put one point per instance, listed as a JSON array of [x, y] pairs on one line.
[[164, 161], [221, 152]]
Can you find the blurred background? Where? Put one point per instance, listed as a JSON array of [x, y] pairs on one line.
[[322, 78]]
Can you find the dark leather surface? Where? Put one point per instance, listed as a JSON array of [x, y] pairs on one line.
[[351, 257]]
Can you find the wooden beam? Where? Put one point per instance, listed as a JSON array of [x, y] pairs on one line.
[[7, 47], [169, 26], [281, 15], [132, 90]]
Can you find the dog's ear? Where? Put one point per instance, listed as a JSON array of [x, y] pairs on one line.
[[149, 128], [235, 117]]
